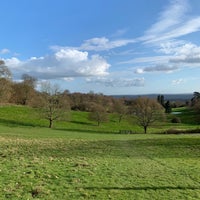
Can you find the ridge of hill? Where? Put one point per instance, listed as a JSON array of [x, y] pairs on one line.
[[170, 97]]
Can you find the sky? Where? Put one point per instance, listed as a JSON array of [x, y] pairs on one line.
[[114, 47]]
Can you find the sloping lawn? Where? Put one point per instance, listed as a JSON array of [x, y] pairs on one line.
[[39, 163]]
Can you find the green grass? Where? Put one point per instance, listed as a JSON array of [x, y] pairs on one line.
[[41, 164], [187, 115], [78, 121], [79, 160]]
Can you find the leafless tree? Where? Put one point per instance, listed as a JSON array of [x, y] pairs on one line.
[[5, 83], [119, 108], [55, 105], [147, 111], [98, 114]]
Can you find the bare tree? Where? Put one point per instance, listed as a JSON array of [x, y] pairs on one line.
[[119, 108], [5, 90], [55, 104], [5, 83], [98, 114], [147, 111]]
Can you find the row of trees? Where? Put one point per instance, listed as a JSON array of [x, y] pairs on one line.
[[55, 105]]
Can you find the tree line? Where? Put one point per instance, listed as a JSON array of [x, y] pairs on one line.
[[55, 104]]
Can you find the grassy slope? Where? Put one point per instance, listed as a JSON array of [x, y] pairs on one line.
[[39, 163], [187, 116], [78, 121]]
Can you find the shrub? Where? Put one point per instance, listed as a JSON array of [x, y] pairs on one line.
[[175, 131], [182, 131], [176, 120]]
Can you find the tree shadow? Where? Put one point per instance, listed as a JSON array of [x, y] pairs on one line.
[[13, 123], [82, 123], [145, 188], [17, 123], [86, 130]]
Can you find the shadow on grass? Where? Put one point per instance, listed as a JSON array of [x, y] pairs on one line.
[[14, 123], [86, 130], [145, 188], [17, 123], [82, 123]]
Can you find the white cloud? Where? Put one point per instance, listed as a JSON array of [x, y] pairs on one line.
[[169, 18], [139, 71], [118, 82], [172, 23], [183, 52], [13, 63], [103, 44], [120, 32], [150, 59], [178, 53], [178, 81], [71, 54], [157, 68], [190, 26], [191, 60], [97, 44], [4, 51], [170, 47], [63, 63], [68, 79]]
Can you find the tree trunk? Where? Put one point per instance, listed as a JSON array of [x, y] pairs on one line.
[[50, 123], [120, 118], [145, 129]]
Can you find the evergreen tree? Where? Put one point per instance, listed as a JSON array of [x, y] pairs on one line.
[[168, 108]]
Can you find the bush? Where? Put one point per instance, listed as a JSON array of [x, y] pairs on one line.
[[182, 131], [176, 120], [175, 131]]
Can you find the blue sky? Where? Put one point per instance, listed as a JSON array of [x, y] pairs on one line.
[[104, 46]]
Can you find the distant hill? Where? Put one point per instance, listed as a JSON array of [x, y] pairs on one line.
[[170, 97]]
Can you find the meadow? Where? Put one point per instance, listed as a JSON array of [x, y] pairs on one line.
[[79, 160]]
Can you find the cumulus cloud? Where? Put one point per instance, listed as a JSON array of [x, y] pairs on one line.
[[71, 55], [181, 52], [157, 68], [177, 54], [115, 82], [63, 63], [170, 47], [188, 53], [13, 63]]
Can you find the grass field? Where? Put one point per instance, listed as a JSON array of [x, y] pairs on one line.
[[70, 163]]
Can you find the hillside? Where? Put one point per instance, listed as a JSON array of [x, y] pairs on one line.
[[78, 160]]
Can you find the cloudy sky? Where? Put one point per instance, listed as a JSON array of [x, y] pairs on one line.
[[105, 46]]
